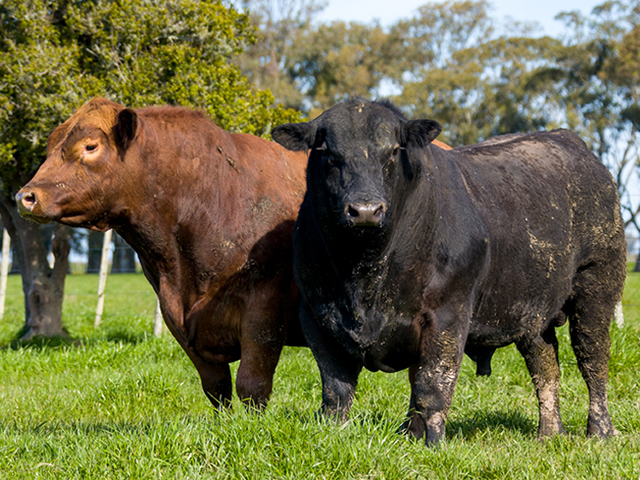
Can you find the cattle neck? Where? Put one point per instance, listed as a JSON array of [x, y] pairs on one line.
[[168, 216]]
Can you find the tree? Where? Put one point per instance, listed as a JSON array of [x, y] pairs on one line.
[[476, 83], [280, 25], [335, 61], [59, 53], [597, 79]]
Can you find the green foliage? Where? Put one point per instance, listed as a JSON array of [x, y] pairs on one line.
[[339, 60], [280, 25], [56, 54], [118, 403]]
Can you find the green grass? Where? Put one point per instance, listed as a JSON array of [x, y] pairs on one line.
[[118, 403]]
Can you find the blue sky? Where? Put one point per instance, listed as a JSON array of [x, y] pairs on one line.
[[389, 11]]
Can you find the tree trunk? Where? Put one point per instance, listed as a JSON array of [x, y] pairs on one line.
[[42, 285], [94, 251], [124, 258]]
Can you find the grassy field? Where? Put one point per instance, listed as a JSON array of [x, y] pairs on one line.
[[118, 403]]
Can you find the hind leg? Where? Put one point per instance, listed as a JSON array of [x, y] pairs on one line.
[[541, 357], [589, 319], [413, 424]]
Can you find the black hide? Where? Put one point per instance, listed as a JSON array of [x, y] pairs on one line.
[[476, 248]]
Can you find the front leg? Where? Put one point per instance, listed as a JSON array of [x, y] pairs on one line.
[[433, 379], [338, 371], [254, 380], [263, 332], [216, 382]]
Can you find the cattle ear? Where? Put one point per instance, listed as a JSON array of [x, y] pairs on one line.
[[294, 136], [126, 127], [421, 133]]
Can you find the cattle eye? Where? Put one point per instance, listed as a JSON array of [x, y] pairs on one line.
[[90, 147], [396, 151]]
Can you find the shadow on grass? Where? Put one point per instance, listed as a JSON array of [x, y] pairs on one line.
[[481, 421], [40, 342], [470, 426], [87, 428]]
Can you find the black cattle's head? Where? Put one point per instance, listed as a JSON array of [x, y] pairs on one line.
[[359, 159]]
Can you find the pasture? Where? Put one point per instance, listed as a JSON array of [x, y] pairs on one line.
[[117, 403]]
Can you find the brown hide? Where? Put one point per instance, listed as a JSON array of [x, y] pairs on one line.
[[211, 217]]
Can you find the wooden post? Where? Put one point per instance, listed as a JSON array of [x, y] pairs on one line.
[[618, 315], [102, 278], [4, 269], [157, 320]]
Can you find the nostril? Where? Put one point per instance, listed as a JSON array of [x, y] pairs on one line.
[[27, 200], [365, 214]]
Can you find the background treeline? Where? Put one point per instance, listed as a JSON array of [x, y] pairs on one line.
[[456, 63]]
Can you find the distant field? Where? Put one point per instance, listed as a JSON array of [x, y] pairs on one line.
[[118, 403]]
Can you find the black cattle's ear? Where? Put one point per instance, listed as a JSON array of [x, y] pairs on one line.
[[421, 133], [126, 127], [295, 136]]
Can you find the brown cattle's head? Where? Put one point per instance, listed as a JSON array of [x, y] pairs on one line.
[[82, 178]]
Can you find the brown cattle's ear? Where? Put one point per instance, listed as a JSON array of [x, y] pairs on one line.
[[126, 127], [420, 133], [56, 135], [295, 136]]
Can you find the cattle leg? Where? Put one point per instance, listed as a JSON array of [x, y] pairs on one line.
[[339, 381], [541, 356], [434, 379], [254, 381], [589, 321], [338, 372], [216, 382], [413, 424], [263, 330]]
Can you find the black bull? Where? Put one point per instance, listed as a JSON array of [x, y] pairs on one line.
[[407, 256]]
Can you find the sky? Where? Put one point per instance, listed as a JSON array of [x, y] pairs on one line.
[[389, 11]]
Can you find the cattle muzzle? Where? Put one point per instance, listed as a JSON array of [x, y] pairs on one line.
[[29, 207], [365, 214]]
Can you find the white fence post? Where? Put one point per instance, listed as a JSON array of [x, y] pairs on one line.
[[102, 278], [157, 320], [618, 315], [4, 269]]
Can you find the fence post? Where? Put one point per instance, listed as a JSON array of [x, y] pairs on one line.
[[157, 320], [618, 316], [102, 278], [4, 269]]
